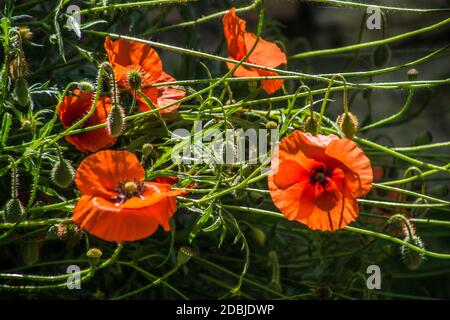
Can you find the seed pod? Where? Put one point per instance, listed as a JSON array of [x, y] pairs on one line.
[[412, 74], [349, 124], [310, 125], [135, 79], [22, 92], [271, 125], [184, 255], [62, 173], [14, 211], [116, 123], [147, 149], [381, 55], [94, 255], [412, 259]]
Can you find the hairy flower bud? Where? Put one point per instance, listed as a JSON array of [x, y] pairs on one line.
[[349, 124], [116, 122], [14, 211], [22, 92], [381, 55], [86, 86], [62, 173], [310, 125], [412, 259]]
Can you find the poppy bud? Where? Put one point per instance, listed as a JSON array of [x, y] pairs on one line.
[[411, 258], [116, 123], [86, 86], [22, 92], [147, 149], [310, 125], [412, 74], [62, 173], [135, 79], [94, 255], [349, 124], [259, 236], [14, 211], [18, 68], [184, 255], [381, 55], [271, 125], [25, 33]]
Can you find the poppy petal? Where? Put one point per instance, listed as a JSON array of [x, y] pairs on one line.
[[106, 221], [352, 157], [99, 174], [123, 53], [286, 200], [234, 30], [152, 94], [289, 173], [266, 54], [168, 95], [74, 108]]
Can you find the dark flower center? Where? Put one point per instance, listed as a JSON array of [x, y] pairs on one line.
[[128, 189], [320, 174]]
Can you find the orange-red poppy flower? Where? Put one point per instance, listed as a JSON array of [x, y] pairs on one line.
[[116, 204], [265, 54], [316, 179], [73, 108], [129, 56]]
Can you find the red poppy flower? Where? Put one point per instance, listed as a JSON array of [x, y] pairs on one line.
[[73, 108], [128, 56], [317, 179], [116, 204], [266, 54]]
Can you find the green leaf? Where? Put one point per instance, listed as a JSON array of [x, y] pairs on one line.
[[200, 223], [58, 31], [4, 133]]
